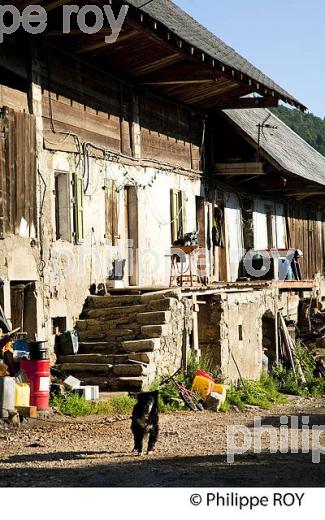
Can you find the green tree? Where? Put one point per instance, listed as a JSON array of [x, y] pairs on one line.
[[309, 127]]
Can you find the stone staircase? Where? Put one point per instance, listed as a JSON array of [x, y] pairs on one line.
[[125, 342]]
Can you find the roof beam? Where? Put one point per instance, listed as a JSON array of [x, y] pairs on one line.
[[56, 4], [89, 47], [180, 82], [303, 195], [241, 168], [158, 64]]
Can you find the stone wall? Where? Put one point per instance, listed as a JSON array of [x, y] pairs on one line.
[[235, 326], [173, 346]]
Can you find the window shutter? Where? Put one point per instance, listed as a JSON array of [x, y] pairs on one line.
[[78, 194], [183, 212], [116, 235], [174, 214], [108, 210], [111, 214]]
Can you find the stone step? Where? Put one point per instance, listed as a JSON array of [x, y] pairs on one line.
[[165, 304], [99, 347], [93, 359], [158, 295], [131, 370], [130, 384], [155, 331], [85, 368], [142, 357], [107, 335], [95, 380], [101, 325], [112, 312], [141, 345], [96, 302], [154, 318]]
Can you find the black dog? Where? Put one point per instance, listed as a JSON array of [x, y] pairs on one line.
[[145, 421]]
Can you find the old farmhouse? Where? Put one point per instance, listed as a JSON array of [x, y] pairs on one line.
[[142, 183]]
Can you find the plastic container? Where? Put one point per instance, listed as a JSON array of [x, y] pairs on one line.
[[221, 390], [21, 345], [68, 343], [38, 373], [204, 374], [22, 395], [202, 386], [285, 269], [7, 395]]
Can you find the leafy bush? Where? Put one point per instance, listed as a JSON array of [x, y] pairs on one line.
[[286, 380], [75, 406], [169, 398]]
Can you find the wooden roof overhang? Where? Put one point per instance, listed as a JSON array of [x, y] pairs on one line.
[[273, 183], [152, 57], [266, 178]]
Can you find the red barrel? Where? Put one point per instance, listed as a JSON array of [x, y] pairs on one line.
[[38, 373]]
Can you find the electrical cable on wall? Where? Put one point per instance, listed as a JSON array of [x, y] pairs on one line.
[[161, 223]]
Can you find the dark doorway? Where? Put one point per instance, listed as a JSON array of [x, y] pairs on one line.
[[24, 308], [269, 339], [132, 233]]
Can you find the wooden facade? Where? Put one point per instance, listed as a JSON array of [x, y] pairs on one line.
[[18, 212], [111, 115], [306, 231]]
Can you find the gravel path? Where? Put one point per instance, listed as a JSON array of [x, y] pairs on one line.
[[191, 451]]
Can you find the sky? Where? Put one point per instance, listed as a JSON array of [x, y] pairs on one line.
[[284, 38]]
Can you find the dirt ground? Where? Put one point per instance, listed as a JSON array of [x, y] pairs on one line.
[[191, 452]]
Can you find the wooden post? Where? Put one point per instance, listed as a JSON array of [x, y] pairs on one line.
[[195, 333]]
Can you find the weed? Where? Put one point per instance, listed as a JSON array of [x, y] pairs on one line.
[[75, 406], [263, 393], [205, 363], [286, 380], [169, 399]]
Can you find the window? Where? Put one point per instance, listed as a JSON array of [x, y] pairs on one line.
[[240, 333], [78, 207], [62, 206], [59, 325], [178, 214]]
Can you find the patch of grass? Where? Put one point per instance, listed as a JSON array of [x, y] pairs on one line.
[[73, 405], [263, 393]]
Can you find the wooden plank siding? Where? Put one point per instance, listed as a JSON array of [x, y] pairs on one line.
[[100, 110], [71, 117], [13, 98], [306, 231], [170, 133], [17, 172]]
